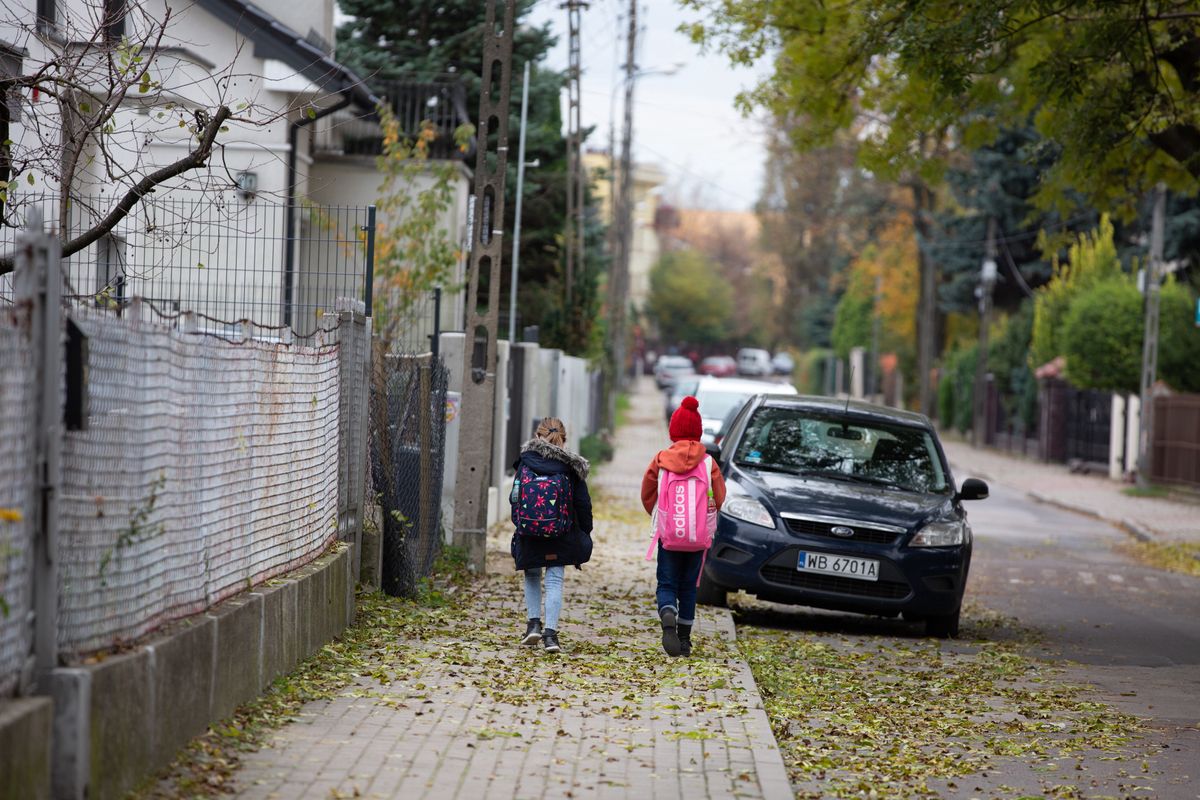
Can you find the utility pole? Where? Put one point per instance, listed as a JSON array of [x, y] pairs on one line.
[[486, 253], [516, 245], [619, 279], [575, 186], [1150, 339], [987, 281], [873, 366]]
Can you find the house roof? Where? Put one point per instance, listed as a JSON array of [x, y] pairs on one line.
[[273, 39]]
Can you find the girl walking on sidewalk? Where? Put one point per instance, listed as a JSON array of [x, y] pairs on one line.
[[699, 494], [552, 511]]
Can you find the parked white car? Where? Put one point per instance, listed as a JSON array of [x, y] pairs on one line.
[[752, 361], [718, 397]]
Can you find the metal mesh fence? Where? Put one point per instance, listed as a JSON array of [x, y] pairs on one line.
[[407, 447], [208, 465], [17, 470], [219, 254]]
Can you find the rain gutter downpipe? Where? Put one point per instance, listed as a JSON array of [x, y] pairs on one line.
[[289, 258]]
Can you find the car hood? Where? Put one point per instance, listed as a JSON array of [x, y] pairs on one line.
[[831, 498]]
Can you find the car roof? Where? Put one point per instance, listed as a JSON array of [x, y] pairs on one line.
[[742, 385], [856, 408]]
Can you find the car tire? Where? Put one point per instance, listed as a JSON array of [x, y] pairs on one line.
[[711, 594], [943, 626]]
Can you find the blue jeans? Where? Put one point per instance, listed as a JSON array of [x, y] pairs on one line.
[[677, 575], [554, 594]]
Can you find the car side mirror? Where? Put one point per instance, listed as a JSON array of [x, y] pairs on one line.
[[714, 451], [973, 489]]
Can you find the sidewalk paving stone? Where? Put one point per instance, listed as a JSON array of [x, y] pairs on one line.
[[1151, 518], [472, 714]]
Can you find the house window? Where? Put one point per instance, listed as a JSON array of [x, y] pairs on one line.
[[10, 107], [114, 20], [110, 272], [47, 12]]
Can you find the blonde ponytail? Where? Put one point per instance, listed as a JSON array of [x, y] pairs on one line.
[[552, 430]]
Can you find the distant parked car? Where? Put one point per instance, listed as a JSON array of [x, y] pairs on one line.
[[719, 396], [754, 362], [684, 385], [844, 506], [719, 366], [783, 363], [668, 366]]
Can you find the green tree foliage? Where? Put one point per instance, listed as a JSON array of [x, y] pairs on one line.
[[1091, 259], [1102, 336], [1113, 85], [1008, 362], [852, 322], [688, 302]]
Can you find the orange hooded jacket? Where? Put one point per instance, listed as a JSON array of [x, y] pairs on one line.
[[681, 456]]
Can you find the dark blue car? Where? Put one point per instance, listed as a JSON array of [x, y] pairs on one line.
[[849, 507]]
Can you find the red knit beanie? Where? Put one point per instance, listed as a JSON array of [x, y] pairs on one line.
[[685, 422]]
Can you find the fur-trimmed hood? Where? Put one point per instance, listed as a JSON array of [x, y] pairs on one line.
[[578, 464]]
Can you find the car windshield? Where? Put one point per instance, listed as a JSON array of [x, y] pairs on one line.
[[819, 443]]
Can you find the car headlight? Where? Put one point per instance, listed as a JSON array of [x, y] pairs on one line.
[[940, 534], [747, 509]]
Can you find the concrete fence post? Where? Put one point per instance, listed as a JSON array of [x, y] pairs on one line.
[[39, 280], [1116, 438]]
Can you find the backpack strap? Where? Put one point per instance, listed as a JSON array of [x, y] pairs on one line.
[[654, 518]]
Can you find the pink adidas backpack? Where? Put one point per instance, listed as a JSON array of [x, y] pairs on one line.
[[682, 520]]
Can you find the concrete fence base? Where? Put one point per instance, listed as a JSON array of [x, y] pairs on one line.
[[114, 723]]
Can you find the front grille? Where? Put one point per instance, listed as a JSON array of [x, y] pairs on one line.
[[892, 590], [810, 527]]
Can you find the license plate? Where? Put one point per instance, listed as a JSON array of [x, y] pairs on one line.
[[863, 569]]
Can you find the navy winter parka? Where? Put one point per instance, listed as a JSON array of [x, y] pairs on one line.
[[575, 546]]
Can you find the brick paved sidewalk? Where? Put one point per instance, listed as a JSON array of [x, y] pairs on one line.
[[1097, 496], [470, 714]]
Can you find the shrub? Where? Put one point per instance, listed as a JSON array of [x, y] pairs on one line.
[[956, 389], [1178, 339], [1102, 336]]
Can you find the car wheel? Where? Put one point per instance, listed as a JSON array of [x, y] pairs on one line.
[[943, 626], [711, 594]]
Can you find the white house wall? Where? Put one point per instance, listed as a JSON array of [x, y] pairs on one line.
[[197, 243]]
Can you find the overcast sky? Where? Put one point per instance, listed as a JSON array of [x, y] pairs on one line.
[[685, 122]]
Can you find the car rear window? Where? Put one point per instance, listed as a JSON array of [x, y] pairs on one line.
[[813, 443]]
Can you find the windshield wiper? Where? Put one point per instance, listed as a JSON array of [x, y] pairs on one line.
[[769, 467], [853, 478]]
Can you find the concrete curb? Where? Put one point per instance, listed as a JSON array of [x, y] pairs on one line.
[[1134, 529], [768, 758]]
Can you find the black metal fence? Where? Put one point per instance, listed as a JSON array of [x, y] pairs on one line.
[[222, 254], [407, 449], [1074, 424]]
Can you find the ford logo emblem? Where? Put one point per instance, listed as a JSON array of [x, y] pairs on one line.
[[841, 530]]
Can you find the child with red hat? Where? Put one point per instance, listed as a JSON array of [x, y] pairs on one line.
[[679, 572]]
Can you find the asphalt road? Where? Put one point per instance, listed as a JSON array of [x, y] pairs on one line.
[[1131, 630]]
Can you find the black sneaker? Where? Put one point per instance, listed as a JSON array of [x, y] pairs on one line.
[[685, 639], [550, 640], [533, 632], [670, 634]]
